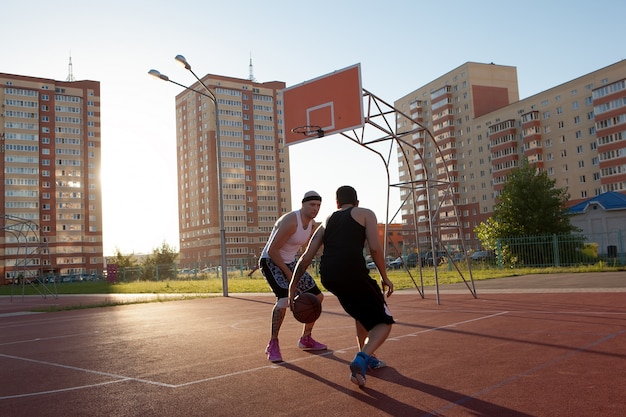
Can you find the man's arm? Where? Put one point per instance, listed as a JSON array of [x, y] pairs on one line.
[[305, 260], [285, 229], [376, 249]]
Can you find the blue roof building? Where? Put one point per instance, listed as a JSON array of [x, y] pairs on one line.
[[603, 220]]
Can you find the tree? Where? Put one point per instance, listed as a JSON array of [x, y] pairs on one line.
[[161, 262], [124, 261], [529, 205]]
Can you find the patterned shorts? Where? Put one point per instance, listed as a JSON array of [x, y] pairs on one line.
[[280, 285]]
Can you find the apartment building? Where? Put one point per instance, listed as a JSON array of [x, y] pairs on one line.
[[51, 194], [254, 170], [477, 130]]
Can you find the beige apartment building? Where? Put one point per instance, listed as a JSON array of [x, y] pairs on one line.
[[481, 130], [50, 166], [254, 165]]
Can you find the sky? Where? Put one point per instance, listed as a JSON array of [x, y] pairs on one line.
[[400, 44]]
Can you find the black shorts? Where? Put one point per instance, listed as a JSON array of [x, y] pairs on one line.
[[280, 285], [362, 299]]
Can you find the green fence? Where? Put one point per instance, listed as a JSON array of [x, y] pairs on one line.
[[518, 252], [561, 250]]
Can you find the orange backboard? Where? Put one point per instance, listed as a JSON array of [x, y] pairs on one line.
[[332, 103]]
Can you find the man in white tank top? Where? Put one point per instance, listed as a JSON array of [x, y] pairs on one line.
[[277, 261]]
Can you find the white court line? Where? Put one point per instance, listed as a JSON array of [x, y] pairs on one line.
[[42, 339], [118, 378], [19, 313], [34, 394], [122, 378]]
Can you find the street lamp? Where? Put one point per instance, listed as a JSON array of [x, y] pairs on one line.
[[211, 97]]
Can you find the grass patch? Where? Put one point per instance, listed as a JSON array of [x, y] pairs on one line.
[[242, 284]]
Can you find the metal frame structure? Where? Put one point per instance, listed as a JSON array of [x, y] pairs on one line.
[[31, 243], [376, 117]]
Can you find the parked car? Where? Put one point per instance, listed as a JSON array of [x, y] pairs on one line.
[[411, 259], [482, 256], [395, 264], [458, 257], [428, 260]]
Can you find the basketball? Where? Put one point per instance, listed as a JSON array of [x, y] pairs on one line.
[[306, 308]]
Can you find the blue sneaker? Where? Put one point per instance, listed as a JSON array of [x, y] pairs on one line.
[[375, 363], [358, 368]]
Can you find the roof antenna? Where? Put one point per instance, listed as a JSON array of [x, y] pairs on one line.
[[251, 76], [70, 73]]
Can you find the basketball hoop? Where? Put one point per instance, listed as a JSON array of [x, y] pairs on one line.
[[309, 131]]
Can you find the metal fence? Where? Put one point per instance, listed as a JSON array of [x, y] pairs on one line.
[[163, 272], [548, 251], [559, 250]]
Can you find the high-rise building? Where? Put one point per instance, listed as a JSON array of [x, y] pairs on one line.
[[50, 169], [575, 132], [254, 165]]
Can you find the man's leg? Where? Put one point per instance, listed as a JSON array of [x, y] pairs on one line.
[[361, 335], [278, 316], [376, 337]]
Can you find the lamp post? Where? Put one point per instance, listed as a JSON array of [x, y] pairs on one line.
[[210, 96]]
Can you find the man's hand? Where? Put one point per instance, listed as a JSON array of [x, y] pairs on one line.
[[386, 283], [292, 296]]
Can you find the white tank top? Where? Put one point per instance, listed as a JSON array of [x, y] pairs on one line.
[[296, 241]]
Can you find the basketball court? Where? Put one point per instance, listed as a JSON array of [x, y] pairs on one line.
[[553, 348]]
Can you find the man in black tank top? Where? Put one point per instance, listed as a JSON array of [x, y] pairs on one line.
[[345, 274]]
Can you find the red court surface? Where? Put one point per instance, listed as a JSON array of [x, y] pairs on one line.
[[527, 346]]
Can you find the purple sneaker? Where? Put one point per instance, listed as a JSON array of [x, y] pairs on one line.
[[273, 351], [308, 343]]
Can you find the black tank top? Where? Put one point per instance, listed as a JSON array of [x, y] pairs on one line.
[[344, 240]]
